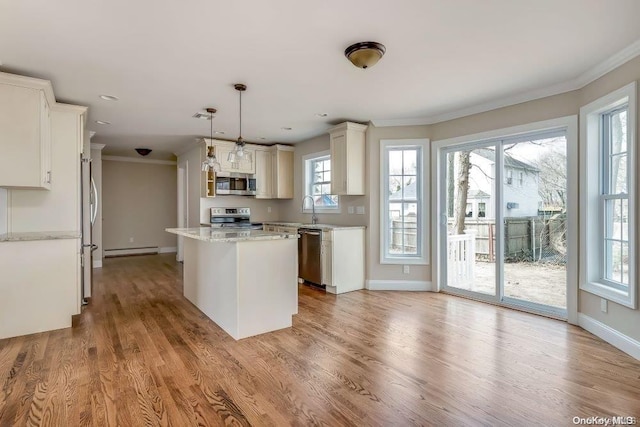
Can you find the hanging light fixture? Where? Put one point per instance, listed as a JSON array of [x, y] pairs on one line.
[[365, 54], [238, 153], [211, 163]]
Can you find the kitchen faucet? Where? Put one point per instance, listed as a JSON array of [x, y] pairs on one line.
[[314, 218]]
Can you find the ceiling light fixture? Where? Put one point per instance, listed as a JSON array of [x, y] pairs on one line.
[[211, 162], [365, 54], [238, 153], [321, 114], [286, 128], [109, 97], [103, 122], [143, 151]]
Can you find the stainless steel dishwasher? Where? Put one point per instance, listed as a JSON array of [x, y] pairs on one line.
[[310, 255]]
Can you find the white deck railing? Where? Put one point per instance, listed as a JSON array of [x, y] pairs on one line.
[[461, 257]]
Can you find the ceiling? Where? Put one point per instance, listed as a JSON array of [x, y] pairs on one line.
[[166, 61]]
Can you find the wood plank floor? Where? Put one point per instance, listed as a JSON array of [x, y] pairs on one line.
[[143, 355]]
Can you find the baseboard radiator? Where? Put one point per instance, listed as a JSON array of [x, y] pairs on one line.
[[110, 253]]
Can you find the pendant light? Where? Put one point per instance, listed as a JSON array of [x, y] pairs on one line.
[[238, 154], [211, 163]]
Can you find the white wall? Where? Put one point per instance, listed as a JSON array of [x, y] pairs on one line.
[[139, 202]]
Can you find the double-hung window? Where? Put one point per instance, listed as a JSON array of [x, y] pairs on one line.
[[608, 198], [403, 211], [317, 168]]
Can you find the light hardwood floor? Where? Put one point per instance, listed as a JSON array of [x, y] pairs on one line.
[[143, 354]]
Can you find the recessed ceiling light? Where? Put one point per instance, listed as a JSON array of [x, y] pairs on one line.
[[218, 132], [262, 138], [103, 122], [286, 128], [109, 97], [321, 114]]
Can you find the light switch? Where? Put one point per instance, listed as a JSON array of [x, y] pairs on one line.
[[350, 209], [360, 210], [269, 209], [406, 269], [603, 305]]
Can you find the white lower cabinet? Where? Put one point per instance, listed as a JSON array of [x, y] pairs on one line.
[[343, 260]]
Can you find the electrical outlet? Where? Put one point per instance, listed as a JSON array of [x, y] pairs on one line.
[[603, 305], [360, 210], [350, 209], [406, 269], [269, 209], [130, 239]]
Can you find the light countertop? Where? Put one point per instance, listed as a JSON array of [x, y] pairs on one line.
[[208, 234], [38, 235], [308, 225]]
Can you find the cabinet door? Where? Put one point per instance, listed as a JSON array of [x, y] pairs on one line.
[[264, 179], [24, 134], [284, 171], [326, 263], [247, 165], [339, 163]]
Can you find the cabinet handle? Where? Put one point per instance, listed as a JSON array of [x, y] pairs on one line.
[[48, 177]]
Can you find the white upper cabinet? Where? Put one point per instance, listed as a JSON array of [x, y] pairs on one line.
[[246, 165], [25, 132], [264, 174], [347, 142]]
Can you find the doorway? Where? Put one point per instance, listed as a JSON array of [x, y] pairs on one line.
[[504, 233]]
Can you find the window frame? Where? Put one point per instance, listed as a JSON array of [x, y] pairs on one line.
[[307, 162], [593, 197], [422, 190]]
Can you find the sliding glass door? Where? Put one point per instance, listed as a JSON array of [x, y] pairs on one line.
[[505, 235]]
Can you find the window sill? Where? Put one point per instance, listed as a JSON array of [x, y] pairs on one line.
[[322, 211], [608, 293], [404, 261]]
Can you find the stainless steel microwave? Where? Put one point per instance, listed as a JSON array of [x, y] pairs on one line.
[[240, 185]]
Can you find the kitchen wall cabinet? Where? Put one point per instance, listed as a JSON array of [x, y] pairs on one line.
[[25, 132], [264, 173], [347, 144], [247, 165], [342, 254], [274, 172], [208, 178]]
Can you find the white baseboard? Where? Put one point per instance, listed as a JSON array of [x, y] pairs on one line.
[[399, 285], [97, 263], [610, 335], [168, 249], [133, 251]]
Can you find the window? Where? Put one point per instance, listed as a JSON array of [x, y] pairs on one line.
[[521, 178], [317, 169], [509, 174], [469, 211], [482, 210], [608, 202], [403, 224]]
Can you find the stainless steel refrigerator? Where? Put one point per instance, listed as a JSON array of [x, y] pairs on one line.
[[89, 211]]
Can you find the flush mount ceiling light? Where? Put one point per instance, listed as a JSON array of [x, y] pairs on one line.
[[211, 162], [321, 114], [143, 151], [286, 128], [103, 122], [365, 54], [238, 153], [109, 97]]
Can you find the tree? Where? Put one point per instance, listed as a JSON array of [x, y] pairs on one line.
[[464, 167]]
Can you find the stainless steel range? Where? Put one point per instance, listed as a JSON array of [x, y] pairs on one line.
[[233, 218]]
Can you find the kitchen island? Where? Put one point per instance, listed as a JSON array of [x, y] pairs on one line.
[[246, 281]]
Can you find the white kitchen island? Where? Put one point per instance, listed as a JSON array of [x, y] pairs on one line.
[[245, 281]]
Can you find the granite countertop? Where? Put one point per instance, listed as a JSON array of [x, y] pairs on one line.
[[38, 235], [308, 225], [208, 234]]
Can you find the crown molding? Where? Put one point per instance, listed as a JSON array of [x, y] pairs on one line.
[[92, 133], [137, 160], [594, 73], [95, 146]]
